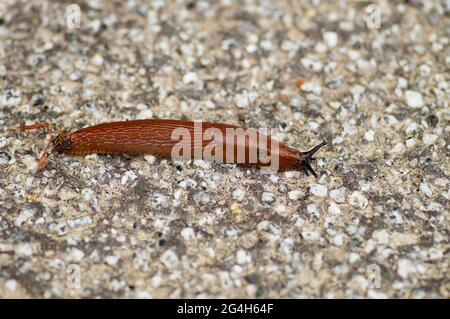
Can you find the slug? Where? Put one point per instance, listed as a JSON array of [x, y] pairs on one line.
[[178, 139]]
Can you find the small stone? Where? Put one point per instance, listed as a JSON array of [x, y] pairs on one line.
[[358, 200], [76, 255], [242, 100], [310, 235], [350, 129], [339, 195], [128, 177], [295, 195], [268, 197], [338, 240], [414, 99], [334, 208], [331, 39], [188, 233], [314, 88], [281, 209], [381, 236], [190, 77], [111, 260], [429, 139], [23, 217], [169, 259], [369, 136], [239, 194], [426, 189], [318, 190], [243, 257], [24, 249], [11, 285], [353, 257], [398, 148], [405, 267], [313, 211]]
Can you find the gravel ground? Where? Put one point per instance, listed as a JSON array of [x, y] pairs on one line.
[[375, 222]]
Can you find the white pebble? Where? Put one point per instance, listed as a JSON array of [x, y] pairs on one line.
[[169, 259], [11, 285], [339, 195], [268, 197], [280, 209], [242, 100], [243, 257], [405, 267], [23, 216], [358, 200], [318, 190], [313, 211], [331, 39], [239, 194], [414, 99], [338, 240], [111, 260], [429, 139], [188, 233], [381, 236], [75, 255], [24, 250], [295, 195], [369, 136], [334, 209], [128, 177], [426, 189], [314, 88], [310, 235], [190, 77]]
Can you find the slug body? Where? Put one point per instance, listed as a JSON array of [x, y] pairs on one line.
[[182, 139]]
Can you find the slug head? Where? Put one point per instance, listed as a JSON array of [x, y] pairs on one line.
[[307, 158]]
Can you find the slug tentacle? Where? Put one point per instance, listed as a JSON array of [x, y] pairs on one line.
[[308, 157]]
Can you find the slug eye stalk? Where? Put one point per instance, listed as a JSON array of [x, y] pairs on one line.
[[308, 158], [47, 150]]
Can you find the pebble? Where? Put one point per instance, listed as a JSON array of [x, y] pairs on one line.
[[311, 87], [313, 211], [333, 208], [188, 234], [339, 195], [239, 194], [358, 200], [310, 235], [243, 257], [318, 190], [414, 99], [429, 139], [190, 77], [169, 258], [426, 189], [128, 177], [295, 194], [331, 39], [268, 197], [75, 255], [369, 136], [111, 260], [405, 267], [11, 285]]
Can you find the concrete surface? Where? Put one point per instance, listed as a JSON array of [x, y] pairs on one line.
[[374, 224]]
